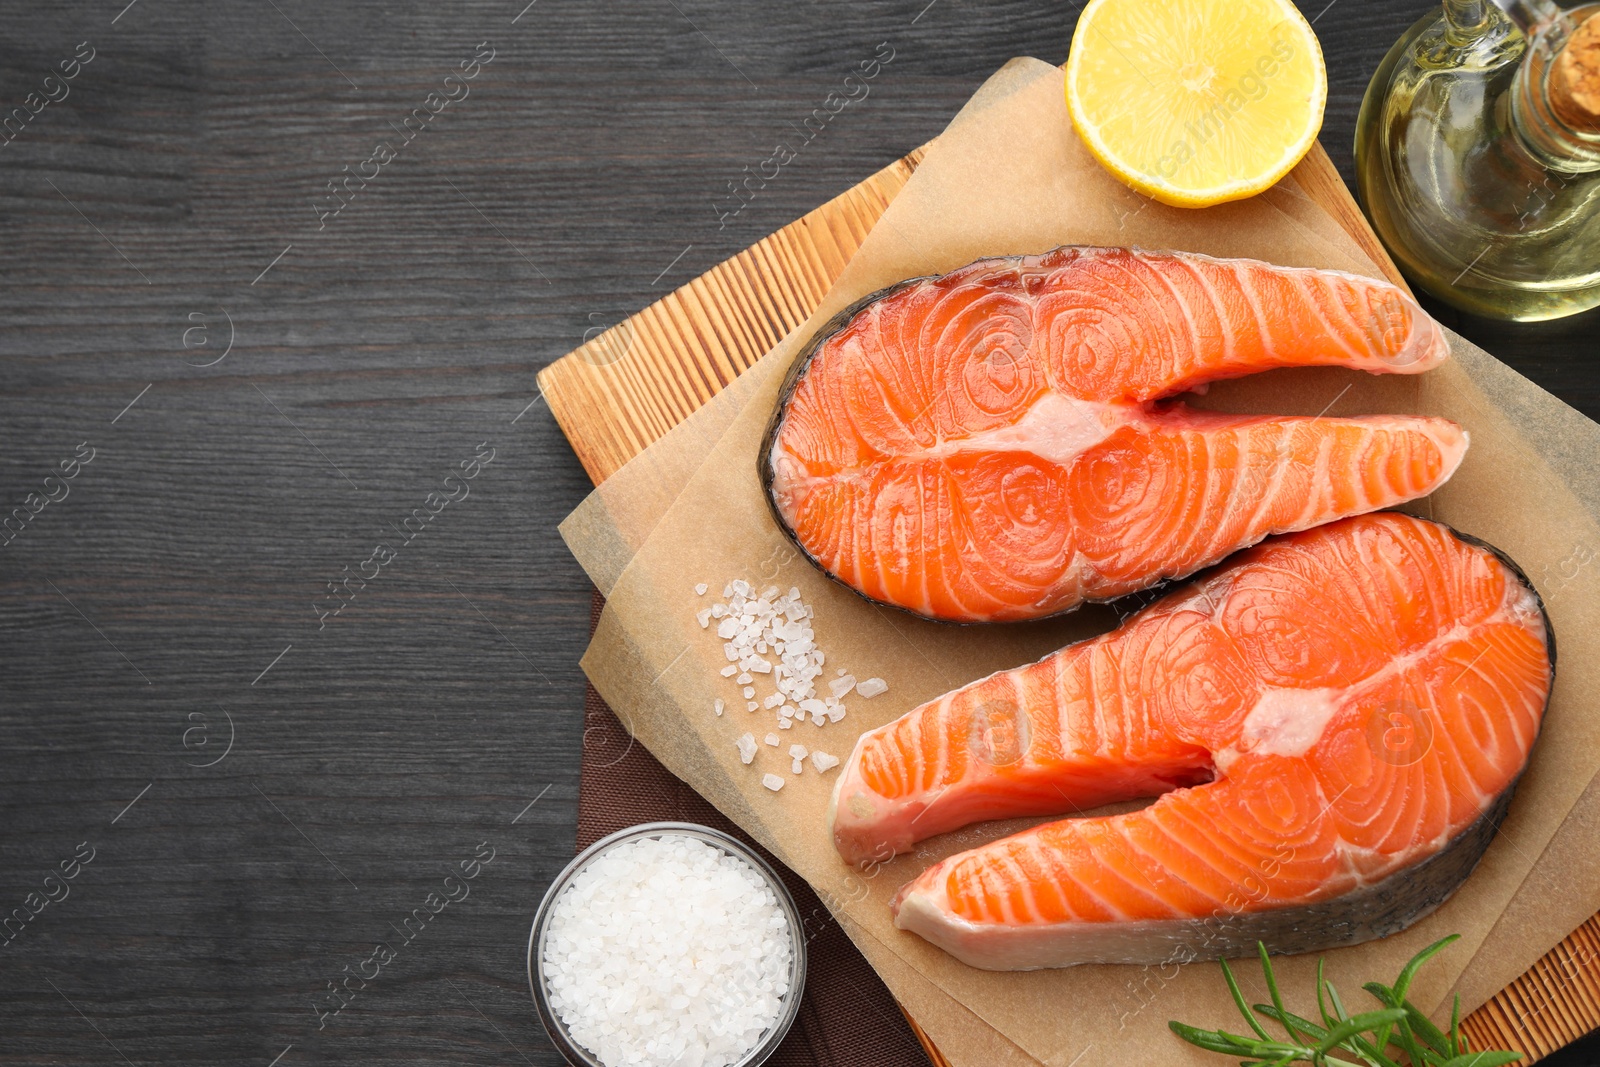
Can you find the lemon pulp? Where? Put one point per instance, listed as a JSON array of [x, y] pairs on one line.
[[1195, 102]]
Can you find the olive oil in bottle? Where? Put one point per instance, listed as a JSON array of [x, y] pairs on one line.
[[1478, 157]]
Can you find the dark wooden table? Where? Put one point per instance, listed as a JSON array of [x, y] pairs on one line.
[[286, 653]]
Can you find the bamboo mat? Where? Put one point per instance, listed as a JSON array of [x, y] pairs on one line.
[[628, 386]]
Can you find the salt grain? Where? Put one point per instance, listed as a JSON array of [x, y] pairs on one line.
[[822, 761], [718, 707], [668, 950], [700, 590], [753, 626], [872, 687]]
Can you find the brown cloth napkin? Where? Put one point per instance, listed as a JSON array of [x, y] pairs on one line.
[[847, 1017]]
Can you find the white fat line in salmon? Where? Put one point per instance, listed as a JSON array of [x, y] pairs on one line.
[[1251, 890]]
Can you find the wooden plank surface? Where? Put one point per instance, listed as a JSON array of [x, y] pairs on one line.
[[574, 186], [632, 383]]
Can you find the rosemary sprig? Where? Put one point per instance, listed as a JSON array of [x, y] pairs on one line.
[[1395, 1034]]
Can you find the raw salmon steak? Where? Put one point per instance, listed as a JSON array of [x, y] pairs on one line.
[[993, 444], [1333, 720]]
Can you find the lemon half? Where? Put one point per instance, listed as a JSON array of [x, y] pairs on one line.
[[1195, 102]]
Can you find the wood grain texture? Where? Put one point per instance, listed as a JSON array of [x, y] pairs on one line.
[[1554, 1002], [630, 384], [574, 186]]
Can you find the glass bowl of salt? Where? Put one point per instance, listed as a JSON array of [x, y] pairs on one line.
[[667, 944]]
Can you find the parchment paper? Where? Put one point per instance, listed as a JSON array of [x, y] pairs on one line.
[[612, 523], [1561, 893], [1009, 177]]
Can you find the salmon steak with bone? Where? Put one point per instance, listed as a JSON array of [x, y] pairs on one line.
[[1001, 443], [1332, 722]]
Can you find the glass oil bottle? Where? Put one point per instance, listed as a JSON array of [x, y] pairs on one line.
[[1478, 157]]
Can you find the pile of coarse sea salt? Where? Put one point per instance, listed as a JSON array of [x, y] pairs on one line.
[[667, 950], [768, 635]]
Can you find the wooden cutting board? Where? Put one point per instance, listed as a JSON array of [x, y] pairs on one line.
[[628, 386]]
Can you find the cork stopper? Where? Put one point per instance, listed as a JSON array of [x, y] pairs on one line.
[[1575, 79]]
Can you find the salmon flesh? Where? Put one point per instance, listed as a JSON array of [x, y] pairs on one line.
[[993, 444], [1333, 722]]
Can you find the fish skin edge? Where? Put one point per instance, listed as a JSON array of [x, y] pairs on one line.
[[1386, 907]]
